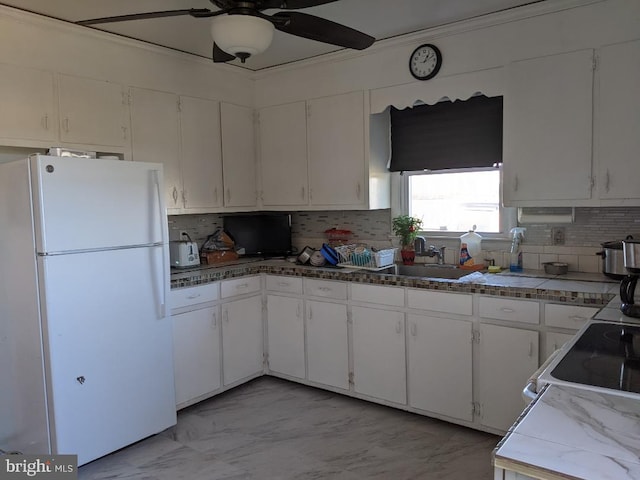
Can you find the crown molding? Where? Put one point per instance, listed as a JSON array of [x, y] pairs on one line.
[[63, 26], [536, 9]]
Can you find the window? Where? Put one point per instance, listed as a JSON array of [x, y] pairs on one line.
[[450, 202], [448, 153]]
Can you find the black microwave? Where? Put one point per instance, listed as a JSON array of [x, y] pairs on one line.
[[260, 234]]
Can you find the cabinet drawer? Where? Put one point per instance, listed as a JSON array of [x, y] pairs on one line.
[[325, 288], [276, 283], [457, 303], [520, 311], [568, 316], [183, 297], [376, 294], [240, 286]]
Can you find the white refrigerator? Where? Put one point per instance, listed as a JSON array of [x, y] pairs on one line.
[[85, 341]]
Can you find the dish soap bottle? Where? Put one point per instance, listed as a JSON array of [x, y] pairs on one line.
[[515, 257], [470, 249]]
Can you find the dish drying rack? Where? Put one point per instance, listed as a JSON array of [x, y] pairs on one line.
[[359, 256]]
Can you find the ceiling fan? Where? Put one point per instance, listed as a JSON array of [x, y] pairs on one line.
[[240, 29]]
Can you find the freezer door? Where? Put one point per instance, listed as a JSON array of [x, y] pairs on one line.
[[83, 204], [108, 349]]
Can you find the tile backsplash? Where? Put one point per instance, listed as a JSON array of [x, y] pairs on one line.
[[583, 237]]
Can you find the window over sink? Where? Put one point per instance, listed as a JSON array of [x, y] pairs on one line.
[[450, 156], [450, 202]]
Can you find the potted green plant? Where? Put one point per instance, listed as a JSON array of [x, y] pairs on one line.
[[407, 227]]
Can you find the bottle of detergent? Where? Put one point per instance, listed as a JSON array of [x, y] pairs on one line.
[[470, 250], [515, 256]]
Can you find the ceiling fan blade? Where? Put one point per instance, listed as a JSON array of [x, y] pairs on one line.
[[194, 12], [292, 4], [321, 30], [220, 56]]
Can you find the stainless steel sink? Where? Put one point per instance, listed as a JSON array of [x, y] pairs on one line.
[[450, 272]]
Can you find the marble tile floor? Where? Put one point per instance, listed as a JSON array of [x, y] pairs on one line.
[[274, 429]]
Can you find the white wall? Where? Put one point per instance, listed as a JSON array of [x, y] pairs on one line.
[[474, 45], [38, 42]]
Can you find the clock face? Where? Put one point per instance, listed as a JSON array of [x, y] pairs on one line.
[[425, 62]]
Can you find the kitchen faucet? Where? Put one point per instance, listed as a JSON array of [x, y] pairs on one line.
[[419, 245]]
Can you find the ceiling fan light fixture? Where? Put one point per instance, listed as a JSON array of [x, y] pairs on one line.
[[242, 35]]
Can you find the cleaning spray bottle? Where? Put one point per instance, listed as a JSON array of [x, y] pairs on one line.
[[515, 257]]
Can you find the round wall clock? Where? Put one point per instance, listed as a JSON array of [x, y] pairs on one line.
[[425, 62]]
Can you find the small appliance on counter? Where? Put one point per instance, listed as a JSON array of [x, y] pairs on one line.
[[184, 252], [613, 258], [631, 251]]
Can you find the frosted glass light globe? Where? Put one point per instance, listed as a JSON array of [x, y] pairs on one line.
[[241, 34]]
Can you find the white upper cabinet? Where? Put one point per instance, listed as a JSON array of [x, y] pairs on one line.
[[28, 105], [548, 130], [618, 123], [92, 112], [182, 133], [336, 137], [201, 154], [283, 154], [156, 138], [324, 153], [238, 156]]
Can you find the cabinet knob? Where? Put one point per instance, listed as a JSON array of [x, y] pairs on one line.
[[399, 327]]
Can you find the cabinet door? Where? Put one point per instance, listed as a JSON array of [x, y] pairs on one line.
[[440, 366], [619, 122], [555, 340], [155, 137], [242, 339], [92, 111], [327, 344], [238, 156], [507, 357], [196, 354], [379, 365], [283, 154], [336, 150], [27, 100], [547, 129], [285, 334], [201, 153]]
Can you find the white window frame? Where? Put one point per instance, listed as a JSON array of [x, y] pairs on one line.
[[508, 215]]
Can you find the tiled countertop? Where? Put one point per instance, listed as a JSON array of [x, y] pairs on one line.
[[576, 288], [574, 433]]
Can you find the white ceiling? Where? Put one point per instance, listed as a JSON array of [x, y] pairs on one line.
[[378, 18]]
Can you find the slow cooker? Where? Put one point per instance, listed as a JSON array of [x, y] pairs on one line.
[[613, 259]]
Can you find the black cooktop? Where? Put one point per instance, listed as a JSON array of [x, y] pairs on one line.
[[606, 355]]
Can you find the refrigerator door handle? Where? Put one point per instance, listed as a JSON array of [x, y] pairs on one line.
[[163, 304]]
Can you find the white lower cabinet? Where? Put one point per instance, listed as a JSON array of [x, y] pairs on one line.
[[555, 340], [327, 344], [379, 365], [242, 339], [285, 335], [506, 358], [440, 374], [196, 354]]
